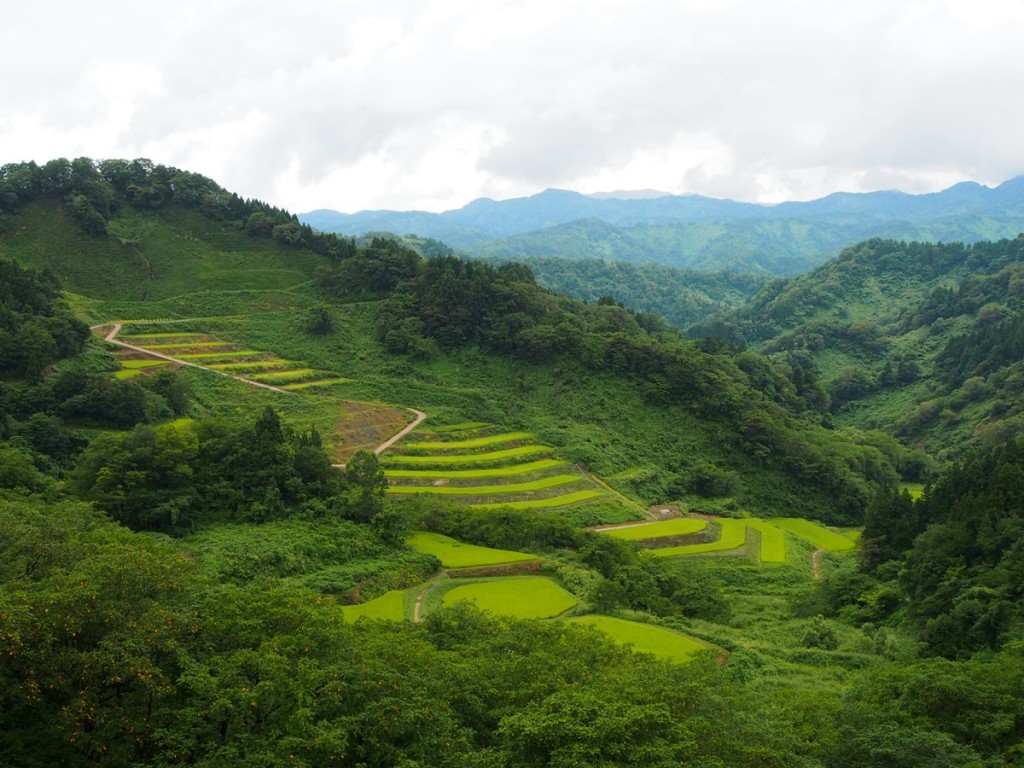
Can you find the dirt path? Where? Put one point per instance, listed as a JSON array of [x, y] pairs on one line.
[[417, 608], [420, 416], [112, 338], [816, 563]]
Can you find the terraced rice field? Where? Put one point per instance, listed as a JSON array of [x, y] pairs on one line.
[[816, 534], [225, 357], [772, 547], [132, 368], [680, 526], [524, 597], [479, 465], [456, 554], [645, 638], [732, 536], [390, 605]]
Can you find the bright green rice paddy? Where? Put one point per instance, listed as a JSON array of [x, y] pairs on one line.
[[457, 474], [816, 534], [681, 526], [524, 597], [456, 554], [646, 638], [479, 490], [390, 605]]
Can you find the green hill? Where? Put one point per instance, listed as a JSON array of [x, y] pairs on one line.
[[921, 341], [182, 546]]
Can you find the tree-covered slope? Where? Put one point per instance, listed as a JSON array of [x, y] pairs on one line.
[[920, 340], [694, 232]]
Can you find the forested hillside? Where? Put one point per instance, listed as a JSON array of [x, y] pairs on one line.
[[695, 232], [919, 340], [209, 556], [680, 296]]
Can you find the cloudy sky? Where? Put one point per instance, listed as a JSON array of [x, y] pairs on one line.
[[427, 104]]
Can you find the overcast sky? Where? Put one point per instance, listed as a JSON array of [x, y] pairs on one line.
[[428, 104]]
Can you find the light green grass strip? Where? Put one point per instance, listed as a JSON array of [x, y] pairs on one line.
[[916, 490], [549, 503], [483, 490], [681, 526], [162, 335], [316, 383], [734, 536], [525, 597], [853, 534], [477, 442], [472, 458], [816, 534], [254, 365], [644, 638], [390, 605], [463, 426], [457, 554], [187, 345], [134, 365], [773, 541], [275, 376], [456, 474], [219, 355]]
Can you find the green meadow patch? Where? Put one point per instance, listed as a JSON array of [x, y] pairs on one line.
[[463, 426], [480, 490], [293, 376], [459, 474], [316, 383], [680, 526], [645, 638], [551, 502], [524, 597], [477, 442], [390, 606], [197, 356], [815, 534], [773, 541], [733, 536], [471, 458], [457, 554]]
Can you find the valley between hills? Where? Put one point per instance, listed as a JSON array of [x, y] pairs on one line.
[[305, 499]]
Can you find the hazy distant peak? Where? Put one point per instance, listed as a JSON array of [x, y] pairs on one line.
[[630, 194]]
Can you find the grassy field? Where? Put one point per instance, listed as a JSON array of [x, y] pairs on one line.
[[470, 458], [733, 536], [815, 534], [550, 502], [681, 526], [513, 470], [456, 554], [490, 490], [476, 442], [773, 541], [524, 597], [645, 638], [390, 605]]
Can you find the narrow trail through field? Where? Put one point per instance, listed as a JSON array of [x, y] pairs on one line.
[[816, 563], [111, 337], [417, 607]]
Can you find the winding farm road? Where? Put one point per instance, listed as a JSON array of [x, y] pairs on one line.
[[816, 563], [111, 337]]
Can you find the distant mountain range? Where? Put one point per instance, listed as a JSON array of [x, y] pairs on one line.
[[696, 232]]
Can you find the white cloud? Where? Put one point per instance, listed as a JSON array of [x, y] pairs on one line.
[[429, 104]]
